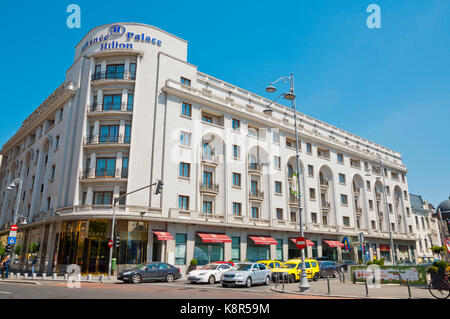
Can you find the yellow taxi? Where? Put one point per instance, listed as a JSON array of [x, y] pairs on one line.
[[292, 269], [272, 264]]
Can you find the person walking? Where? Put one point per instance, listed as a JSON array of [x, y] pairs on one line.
[[33, 263], [7, 263]]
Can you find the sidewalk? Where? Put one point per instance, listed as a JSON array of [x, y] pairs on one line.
[[20, 278], [358, 290]]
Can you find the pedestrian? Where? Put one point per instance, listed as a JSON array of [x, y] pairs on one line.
[[33, 263], [6, 263], [2, 267]]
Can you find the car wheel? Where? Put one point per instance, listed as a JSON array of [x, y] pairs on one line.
[[267, 281], [136, 279], [211, 280], [316, 276], [248, 282], [170, 278], [292, 278]]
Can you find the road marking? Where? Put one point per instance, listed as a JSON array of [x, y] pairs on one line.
[[5, 292]]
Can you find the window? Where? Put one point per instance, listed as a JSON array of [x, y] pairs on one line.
[[106, 167], [237, 179], [112, 102], [207, 179], [183, 202], [341, 178], [410, 228], [184, 169], [180, 249], [405, 194], [407, 211], [109, 133], [103, 198], [308, 148], [207, 119], [186, 109], [277, 161], [279, 249], [293, 216], [289, 143], [388, 190], [314, 218], [49, 202], [355, 163], [370, 204], [279, 212], [340, 158], [237, 209], [324, 219], [255, 212], [130, 101], [374, 225], [390, 208], [235, 124], [52, 175], [185, 139], [393, 226], [310, 170], [185, 81], [236, 151], [368, 185], [132, 71], [278, 187], [235, 249], [207, 207], [344, 200], [124, 167], [346, 220], [276, 137], [312, 193], [57, 142], [115, 71]]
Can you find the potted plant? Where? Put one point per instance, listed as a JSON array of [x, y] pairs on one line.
[[192, 265], [437, 250], [437, 270]]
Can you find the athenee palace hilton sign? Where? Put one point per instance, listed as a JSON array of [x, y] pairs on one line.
[[115, 32]]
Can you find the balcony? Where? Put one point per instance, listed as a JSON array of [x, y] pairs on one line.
[[324, 184], [255, 168], [378, 196], [256, 195], [106, 140], [356, 190], [121, 75], [209, 188], [294, 200], [358, 211], [210, 159], [326, 206], [110, 108], [108, 174], [380, 214]]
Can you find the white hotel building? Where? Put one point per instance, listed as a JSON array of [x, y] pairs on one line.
[[133, 110]]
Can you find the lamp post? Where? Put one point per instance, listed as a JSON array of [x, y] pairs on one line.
[[116, 200], [290, 96], [16, 183], [391, 246]]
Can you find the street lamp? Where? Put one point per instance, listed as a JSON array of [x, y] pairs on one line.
[[386, 206], [290, 96], [116, 200], [16, 183]]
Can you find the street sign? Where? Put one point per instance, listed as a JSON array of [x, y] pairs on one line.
[[300, 242], [447, 244], [13, 233], [13, 228], [12, 240], [110, 243]]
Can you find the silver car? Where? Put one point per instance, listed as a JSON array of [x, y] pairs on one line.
[[246, 274]]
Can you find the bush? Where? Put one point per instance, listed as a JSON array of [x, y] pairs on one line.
[[34, 247], [438, 267], [18, 250], [194, 262], [379, 262]]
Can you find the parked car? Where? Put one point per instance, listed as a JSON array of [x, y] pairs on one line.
[[292, 270], [209, 273], [343, 265], [150, 272], [322, 258], [223, 262], [247, 274], [271, 264], [328, 269]]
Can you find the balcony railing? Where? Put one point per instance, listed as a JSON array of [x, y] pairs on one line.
[[99, 107], [121, 75], [324, 183], [293, 199], [326, 206], [209, 187], [108, 173], [112, 139], [124, 173], [257, 194], [378, 196], [358, 211], [255, 167], [210, 159]]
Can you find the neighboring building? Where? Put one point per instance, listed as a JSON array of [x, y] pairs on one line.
[[133, 110], [426, 226]]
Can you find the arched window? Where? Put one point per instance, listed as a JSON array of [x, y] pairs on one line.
[[290, 171]]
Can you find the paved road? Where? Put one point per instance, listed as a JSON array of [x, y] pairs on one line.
[[178, 290]]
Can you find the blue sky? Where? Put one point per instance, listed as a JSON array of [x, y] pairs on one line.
[[389, 85]]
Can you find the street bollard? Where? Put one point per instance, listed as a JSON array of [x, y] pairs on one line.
[[100, 278], [66, 276], [343, 277], [354, 278], [34, 276], [400, 278], [367, 288], [409, 289], [283, 280], [18, 275], [54, 276], [25, 275], [89, 277], [44, 275], [328, 285]]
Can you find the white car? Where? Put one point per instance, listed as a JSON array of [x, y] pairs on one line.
[[209, 273]]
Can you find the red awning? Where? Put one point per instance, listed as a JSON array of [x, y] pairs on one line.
[[214, 238], [384, 247], [263, 240], [162, 235], [308, 242], [334, 243]]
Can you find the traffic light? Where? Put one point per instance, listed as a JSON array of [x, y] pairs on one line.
[[117, 241], [159, 186], [8, 248]]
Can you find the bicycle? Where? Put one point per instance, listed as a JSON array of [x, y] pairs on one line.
[[440, 287]]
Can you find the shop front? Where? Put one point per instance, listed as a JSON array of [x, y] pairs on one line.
[[330, 249], [210, 247], [385, 252], [258, 247], [295, 253], [160, 239], [403, 252]]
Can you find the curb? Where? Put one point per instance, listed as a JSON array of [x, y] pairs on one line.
[[21, 282]]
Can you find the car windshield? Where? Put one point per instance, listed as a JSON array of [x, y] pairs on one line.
[[290, 266], [244, 267], [209, 267]]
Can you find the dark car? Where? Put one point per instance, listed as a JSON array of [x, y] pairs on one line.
[[328, 269], [150, 272], [345, 263], [322, 258]]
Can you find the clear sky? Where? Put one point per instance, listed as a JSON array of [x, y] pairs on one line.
[[389, 85]]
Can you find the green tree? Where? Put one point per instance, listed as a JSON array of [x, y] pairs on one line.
[[18, 250], [438, 250], [34, 247]]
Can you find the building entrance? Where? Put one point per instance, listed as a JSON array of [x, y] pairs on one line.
[[96, 253]]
